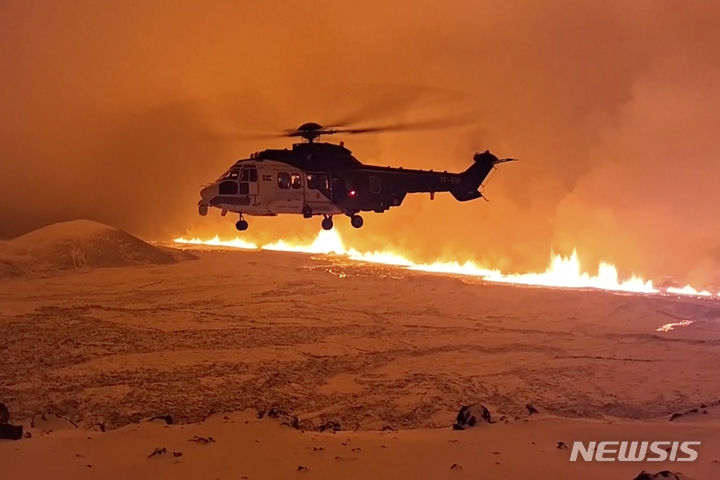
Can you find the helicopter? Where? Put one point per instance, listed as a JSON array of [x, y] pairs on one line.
[[325, 179]]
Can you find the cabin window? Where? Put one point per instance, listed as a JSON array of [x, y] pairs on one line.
[[295, 180], [320, 182], [375, 184], [283, 180], [228, 187], [244, 175], [253, 175]]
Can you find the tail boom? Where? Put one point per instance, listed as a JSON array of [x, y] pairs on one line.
[[472, 178]]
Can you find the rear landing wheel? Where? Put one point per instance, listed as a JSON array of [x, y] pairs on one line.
[[327, 223], [241, 225], [356, 221]]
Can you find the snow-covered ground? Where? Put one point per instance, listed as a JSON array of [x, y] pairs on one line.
[[331, 340]]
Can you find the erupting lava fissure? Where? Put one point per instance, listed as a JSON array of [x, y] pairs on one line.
[[562, 272]]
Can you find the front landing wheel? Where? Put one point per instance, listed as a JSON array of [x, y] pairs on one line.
[[241, 225], [327, 223]]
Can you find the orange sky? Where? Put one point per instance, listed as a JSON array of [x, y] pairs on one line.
[[119, 111]]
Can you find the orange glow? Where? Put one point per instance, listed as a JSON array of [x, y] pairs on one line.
[[562, 272]]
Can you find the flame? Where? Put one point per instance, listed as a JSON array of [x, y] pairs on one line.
[[688, 290], [669, 327], [562, 272], [237, 242]]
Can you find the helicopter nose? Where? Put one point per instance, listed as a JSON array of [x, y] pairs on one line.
[[209, 192], [206, 192]]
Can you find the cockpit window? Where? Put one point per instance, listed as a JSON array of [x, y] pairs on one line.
[[228, 187], [231, 174], [295, 180]]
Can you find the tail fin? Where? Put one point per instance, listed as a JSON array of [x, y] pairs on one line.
[[472, 178]]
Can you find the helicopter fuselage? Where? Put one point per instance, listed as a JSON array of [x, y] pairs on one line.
[[325, 179]]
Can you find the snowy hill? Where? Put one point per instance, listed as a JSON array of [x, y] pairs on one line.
[[79, 244]]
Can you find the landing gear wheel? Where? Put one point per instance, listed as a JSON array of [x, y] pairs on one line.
[[327, 223], [356, 221], [202, 210], [241, 225]]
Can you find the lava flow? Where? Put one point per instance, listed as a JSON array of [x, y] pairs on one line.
[[562, 272]]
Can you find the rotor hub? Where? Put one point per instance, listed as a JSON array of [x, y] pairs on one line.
[[310, 131]]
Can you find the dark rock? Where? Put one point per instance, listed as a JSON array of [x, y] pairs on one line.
[[330, 425], [531, 409], [166, 418], [158, 451], [177, 454], [675, 416], [561, 446], [457, 467], [202, 440], [470, 415], [11, 432], [302, 468], [281, 416], [27, 435], [306, 425], [387, 428], [663, 475], [7, 431]]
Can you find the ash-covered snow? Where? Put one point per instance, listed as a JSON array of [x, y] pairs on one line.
[[79, 244]]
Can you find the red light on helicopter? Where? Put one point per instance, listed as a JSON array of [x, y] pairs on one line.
[[352, 193]]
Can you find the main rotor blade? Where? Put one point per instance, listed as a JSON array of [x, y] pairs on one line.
[[229, 136], [398, 127], [387, 100]]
